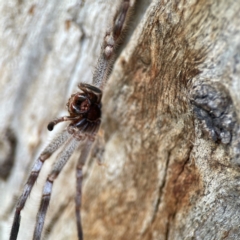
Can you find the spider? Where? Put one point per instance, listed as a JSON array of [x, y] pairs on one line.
[[84, 109]]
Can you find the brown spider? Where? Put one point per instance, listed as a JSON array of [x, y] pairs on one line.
[[85, 116]]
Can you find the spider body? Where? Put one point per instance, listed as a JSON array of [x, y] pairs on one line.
[[84, 109]]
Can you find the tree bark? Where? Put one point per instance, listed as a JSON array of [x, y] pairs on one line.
[[169, 140]]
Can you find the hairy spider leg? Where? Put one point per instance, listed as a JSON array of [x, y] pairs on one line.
[[46, 153], [52, 124], [110, 43], [79, 178], [87, 88], [62, 159]]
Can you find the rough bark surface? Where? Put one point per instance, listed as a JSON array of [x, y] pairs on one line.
[[170, 155]]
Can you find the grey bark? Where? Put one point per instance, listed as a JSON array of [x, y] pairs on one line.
[[170, 155]]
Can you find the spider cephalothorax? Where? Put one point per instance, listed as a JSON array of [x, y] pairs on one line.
[[84, 109]]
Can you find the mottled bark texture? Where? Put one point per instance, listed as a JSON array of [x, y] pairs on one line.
[[170, 155]]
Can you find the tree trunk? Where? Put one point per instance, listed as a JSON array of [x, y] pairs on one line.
[[169, 142]]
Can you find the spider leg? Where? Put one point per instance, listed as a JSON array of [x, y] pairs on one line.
[[79, 177], [58, 120], [46, 153], [62, 159], [110, 43]]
